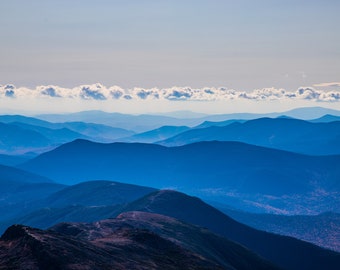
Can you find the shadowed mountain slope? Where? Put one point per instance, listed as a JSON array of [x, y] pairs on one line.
[[19, 189], [286, 252], [131, 241], [46, 217], [97, 193], [12, 160], [12, 176], [85, 202]]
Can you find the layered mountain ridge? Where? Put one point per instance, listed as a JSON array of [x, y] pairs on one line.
[[91, 202], [246, 176]]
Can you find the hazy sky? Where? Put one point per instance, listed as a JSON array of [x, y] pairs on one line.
[[242, 45]]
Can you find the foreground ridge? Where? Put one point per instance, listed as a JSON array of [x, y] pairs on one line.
[[134, 240]]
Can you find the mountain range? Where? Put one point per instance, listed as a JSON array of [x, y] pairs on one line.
[[97, 200], [157, 216], [136, 123], [145, 122], [286, 252], [248, 177], [20, 190], [133, 240], [21, 134], [155, 135], [14, 139], [45, 204], [90, 130], [279, 133], [96, 190]]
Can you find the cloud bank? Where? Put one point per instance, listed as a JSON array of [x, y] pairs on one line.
[[100, 92]]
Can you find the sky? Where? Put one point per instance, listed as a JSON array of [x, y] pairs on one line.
[[152, 55]]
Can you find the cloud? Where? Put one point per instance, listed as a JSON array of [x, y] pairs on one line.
[[9, 87], [9, 93], [327, 84], [8, 90], [96, 92], [116, 92], [100, 92], [49, 91], [309, 93], [179, 93], [142, 93]]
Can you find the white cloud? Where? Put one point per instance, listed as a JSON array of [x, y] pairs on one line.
[[116, 92], [94, 91], [50, 90], [327, 84], [100, 92], [309, 93], [142, 93]]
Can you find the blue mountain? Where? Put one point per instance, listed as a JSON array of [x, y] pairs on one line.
[[21, 134], [326, 118], [206, 124], [136, 123], [155, 135], [56, 136], [12, 160], [286, 252], [20, 189], [98, 132], [90, 130], [281, 133], [249, 177], [7, 119], [155, 212], [15, 139], [84, 202], [97, 193]]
